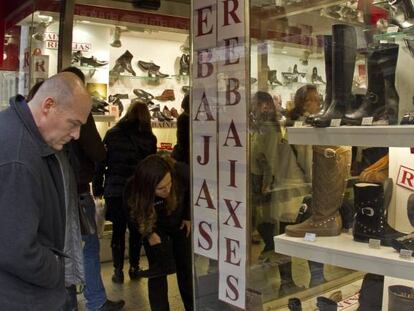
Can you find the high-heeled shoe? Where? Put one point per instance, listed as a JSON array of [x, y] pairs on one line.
[[123, 63], [272, 77], [174, 113], [166, 112]]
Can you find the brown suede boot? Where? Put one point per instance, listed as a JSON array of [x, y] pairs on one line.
[[330, 170]]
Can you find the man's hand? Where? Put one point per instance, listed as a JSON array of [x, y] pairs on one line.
[[154, 239], [186, 225]]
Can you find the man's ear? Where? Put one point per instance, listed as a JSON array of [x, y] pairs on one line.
[[48, 104]]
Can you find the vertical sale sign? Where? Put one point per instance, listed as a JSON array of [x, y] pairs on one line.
[[219, 127]]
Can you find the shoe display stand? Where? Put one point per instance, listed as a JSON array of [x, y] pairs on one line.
[[343, 251]]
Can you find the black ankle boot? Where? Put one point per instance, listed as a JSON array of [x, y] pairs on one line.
[[267, 231], [326, 304], [381, 101], [316, 272], [118, 276], [370, 296], [400, 298], [294, 304], [343, 65], [135, 273], [327, 47], [402, 13], [123, 63], [371, 202]]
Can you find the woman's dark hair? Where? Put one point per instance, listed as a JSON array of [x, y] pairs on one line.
[[148, 174], [259, 99], [185, 104], [300, 100], [76, 71], [137, 116]]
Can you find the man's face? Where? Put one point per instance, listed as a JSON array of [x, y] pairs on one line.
[[61, 123]]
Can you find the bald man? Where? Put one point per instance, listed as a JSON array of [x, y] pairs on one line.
[[32, 202]]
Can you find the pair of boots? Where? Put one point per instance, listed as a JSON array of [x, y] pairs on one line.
[[323, 304], [381, 99], [118, 261]]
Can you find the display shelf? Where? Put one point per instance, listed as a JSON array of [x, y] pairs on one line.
[[369, 136], [393, 35], [113, 76], [103, 118], [343, 251]]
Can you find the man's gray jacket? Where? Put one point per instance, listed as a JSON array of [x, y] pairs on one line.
[[32, 216]]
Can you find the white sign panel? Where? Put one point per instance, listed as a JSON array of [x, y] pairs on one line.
[[232, 145], [204, 130]]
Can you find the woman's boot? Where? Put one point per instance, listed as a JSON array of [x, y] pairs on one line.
[[330, 170], [294, 304], [343, 65], [400, 298], [371, 206], [326, 304]]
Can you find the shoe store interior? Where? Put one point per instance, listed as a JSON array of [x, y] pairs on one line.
[[330, 130]]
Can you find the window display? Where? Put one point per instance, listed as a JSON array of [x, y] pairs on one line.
[[331, 169]]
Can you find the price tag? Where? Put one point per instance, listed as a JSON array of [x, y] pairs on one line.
[[392, 29], [310, 237], [374, 243], [298, 124], [406, 254], [367, 121], [336, 122]]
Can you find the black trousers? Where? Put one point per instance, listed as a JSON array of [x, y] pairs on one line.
[[181, 254], [116, 214]]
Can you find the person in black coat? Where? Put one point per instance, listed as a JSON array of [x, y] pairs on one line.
[[127, 143], [158, 204], [181, 150]]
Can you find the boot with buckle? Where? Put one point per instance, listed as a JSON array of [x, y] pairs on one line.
[[381, 100], [371, 202], [343, 65], [402, 13], [330, 170]]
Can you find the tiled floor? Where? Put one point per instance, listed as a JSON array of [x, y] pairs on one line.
[[134, 292]]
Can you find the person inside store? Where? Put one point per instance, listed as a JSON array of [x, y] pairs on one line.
[[159, 205], [84, 153], [127, 143], [181, 151], [307, 101], [32, 192], [273, 167]]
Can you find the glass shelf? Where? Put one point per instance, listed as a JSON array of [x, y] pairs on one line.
[[113, 76], [394, 35]]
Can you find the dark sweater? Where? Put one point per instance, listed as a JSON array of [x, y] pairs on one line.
[[125, 148], [32, 222], [85, 153]]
